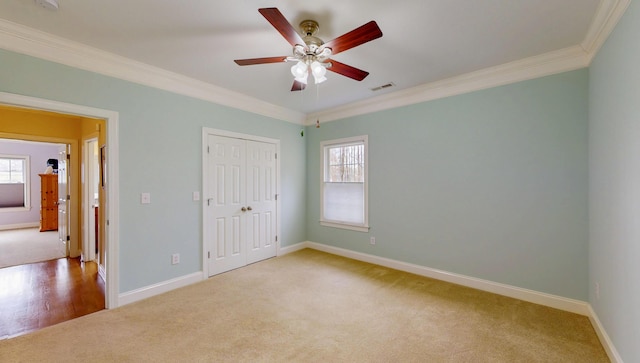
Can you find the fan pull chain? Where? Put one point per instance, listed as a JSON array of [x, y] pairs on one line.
[[317, 100]]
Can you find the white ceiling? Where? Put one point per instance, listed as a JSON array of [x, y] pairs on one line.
[[423, 41]]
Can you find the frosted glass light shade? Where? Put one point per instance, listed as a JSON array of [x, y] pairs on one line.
[[299, 69], [318, 72]]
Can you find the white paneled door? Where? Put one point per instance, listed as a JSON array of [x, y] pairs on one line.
[[261, 201], [241, 202]]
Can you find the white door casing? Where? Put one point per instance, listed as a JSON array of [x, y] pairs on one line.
[[63, 192], [111, 188], [90, 181], [240, 200]]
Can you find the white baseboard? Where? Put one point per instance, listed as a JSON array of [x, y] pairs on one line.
[[607, 344], [19, 226], [293, 248], [557, 302], [554, 301], [166, 286], [159, 288]]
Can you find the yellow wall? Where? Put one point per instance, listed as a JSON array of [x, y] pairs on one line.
[[36, 125], [39, 123]]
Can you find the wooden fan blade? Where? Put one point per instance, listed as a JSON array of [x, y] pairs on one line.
[[297, 86], [347, 70], [275, 17], [252, 61], [361, 35]]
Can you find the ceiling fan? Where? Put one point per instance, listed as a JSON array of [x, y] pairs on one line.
[[312, 54]]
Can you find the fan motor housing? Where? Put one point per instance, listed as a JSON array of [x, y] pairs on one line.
[[309, 29]]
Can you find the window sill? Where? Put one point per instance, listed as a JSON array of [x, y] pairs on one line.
[[358, 228]]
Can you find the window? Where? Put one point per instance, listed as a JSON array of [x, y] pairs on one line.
[[344, 186], [14, 182]]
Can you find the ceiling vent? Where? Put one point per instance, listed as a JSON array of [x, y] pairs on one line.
[[384, 86]]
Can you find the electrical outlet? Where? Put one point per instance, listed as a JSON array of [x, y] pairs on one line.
[[175, 259], [597, 291], [372, 240]]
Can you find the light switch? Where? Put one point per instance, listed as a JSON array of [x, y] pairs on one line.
[[196, 196], [145, 198]]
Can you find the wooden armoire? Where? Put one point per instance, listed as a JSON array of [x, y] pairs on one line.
[[48, 202]]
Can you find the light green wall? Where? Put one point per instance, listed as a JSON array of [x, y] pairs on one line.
[[491, 184], [160, 152], [614, 195]]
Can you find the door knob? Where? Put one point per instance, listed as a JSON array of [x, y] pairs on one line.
[[243, 209], [249, 208]]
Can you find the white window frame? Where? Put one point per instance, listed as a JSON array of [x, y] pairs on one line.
[[324, 145], [27, 183]]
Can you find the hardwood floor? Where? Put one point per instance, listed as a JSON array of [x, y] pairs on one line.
[[38, 295]]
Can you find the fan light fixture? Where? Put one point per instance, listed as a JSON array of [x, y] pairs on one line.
[[318, 71], [310, 53], [300, 71], [310, 57]]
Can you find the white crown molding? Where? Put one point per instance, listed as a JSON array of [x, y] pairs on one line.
[[538, 66], [606, 18], [21, 39], [604, 21], [24, 40]]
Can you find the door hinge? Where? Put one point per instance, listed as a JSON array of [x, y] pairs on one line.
[[68, 197], [276, 238], [208, 150], [276, 155], [68, 156], [107, 222], [68, 238], [208, 254]]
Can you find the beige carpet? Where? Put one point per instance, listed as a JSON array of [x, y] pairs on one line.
[[310, 306], [29, 245]]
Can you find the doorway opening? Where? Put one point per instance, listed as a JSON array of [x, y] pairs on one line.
[[109, 193], [30, 227]]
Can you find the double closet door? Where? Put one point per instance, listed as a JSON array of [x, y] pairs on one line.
[[241, 202]]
